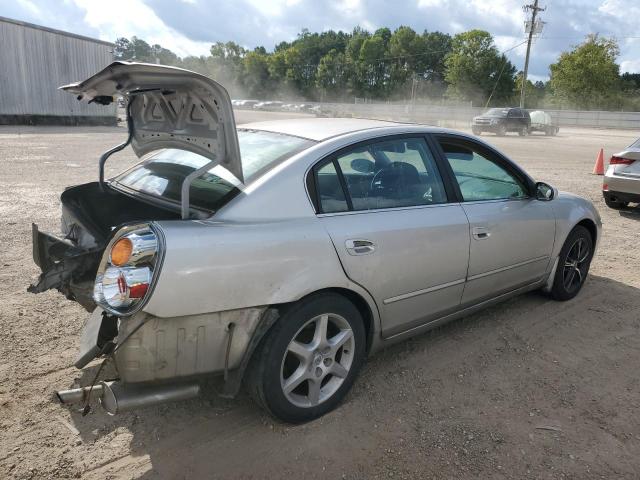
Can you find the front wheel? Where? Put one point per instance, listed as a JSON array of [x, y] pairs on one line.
[[573, 264], [308, 361], [501, 130]]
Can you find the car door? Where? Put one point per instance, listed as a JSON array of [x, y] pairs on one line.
[[386, 207], [512, 233]]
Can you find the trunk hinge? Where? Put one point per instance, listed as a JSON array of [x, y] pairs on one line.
[[117, 148], [186, 183]]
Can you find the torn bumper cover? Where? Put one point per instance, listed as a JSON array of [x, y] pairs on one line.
[[65, 267]]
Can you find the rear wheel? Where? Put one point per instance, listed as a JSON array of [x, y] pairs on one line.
[[573, 264], [501, 130], [523, 132], [308, 361], [615, 204]]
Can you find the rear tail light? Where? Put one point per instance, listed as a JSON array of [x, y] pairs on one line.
[[620, 161], [605, 187], [127, 270]]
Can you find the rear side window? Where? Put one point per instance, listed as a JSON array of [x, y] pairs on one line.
[[389, 174], [332, 197]]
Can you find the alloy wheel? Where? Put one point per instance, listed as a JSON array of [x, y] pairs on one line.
[[317, 360], [576, 265]]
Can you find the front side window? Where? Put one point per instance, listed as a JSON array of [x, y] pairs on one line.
[[479, 176], [388, 174], [161, 174]]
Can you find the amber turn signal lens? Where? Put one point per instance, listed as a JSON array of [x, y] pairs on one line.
[[121, 252]]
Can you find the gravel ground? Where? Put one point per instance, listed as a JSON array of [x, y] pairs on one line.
[[530, 388]]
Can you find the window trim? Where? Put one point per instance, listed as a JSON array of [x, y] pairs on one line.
[[492, 155], [312, 181]]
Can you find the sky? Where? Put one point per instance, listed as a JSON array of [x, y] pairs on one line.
[[189, 27]]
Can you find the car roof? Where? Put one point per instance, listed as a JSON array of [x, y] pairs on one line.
[[319, 128]]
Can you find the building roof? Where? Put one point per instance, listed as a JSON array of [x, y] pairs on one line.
[[54, 31]]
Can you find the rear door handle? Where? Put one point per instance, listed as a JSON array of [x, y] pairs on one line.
[[360, 246], [480, 233]]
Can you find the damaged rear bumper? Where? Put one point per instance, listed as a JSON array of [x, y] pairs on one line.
[[65, 267], [159, 359]]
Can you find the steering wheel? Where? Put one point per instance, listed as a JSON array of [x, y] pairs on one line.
[[373, 188]]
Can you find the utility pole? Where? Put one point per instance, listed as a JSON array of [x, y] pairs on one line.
[[532, 29]]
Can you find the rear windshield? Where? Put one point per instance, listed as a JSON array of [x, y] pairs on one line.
[[161, 174]]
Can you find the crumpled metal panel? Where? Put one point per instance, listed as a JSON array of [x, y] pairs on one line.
[[165, 348]]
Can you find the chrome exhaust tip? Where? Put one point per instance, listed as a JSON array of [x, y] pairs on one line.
[[116, 397], [79, 395]]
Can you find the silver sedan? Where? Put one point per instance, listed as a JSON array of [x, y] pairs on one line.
[[621, 184], [281, 254]]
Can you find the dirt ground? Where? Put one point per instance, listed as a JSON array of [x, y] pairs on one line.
[[531, 388]]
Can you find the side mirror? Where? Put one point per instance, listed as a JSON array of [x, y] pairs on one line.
[[544, 192]]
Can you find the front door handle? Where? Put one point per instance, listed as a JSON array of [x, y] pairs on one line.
[[480, 233], [360, 246]]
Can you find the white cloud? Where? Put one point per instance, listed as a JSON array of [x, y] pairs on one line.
[[126, 18], [191, 26]]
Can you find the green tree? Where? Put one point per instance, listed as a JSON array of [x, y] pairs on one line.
[[332, 76], [475, 69], [123, 49], [142, 51], [588, 76], [534, 92], [371, 66], [257, 81], [405, 50]]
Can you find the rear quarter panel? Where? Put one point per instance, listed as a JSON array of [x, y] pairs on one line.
[[214, 266]]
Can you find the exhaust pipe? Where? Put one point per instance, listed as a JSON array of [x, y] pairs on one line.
[[79, 395], [123, 398], [116, 397]]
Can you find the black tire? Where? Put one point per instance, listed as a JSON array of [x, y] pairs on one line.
[[615, 205], [523, 131], [501, 130], [476, 132], [568, 280], [265, 376]]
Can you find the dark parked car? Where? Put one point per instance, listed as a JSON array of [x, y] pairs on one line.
[[502, 120]]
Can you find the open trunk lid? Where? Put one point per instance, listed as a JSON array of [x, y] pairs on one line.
[[169, 108]]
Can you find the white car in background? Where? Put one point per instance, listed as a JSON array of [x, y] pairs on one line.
[[621, 184]]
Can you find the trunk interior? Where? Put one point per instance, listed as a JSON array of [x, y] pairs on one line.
[[89, 215], [98, 212]]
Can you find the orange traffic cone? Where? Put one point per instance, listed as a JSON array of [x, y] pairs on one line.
[[598, 168]]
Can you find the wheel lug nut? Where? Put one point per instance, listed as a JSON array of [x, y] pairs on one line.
[[318, 372], [327, 362]]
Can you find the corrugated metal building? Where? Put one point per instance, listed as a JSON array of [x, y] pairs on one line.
[[35, 61]]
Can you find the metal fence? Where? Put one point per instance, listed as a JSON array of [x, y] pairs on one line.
[[461, 116]]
